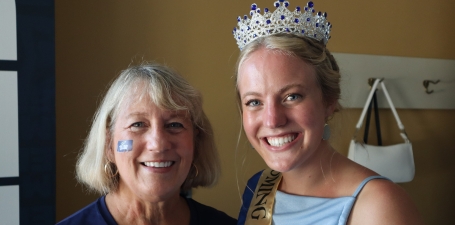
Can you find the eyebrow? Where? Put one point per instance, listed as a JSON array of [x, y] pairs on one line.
[[250, 93], [172, 114], [177, 114], [289, 86], [283, 89], [136, 114]]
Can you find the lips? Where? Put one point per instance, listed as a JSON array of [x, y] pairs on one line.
[[280, 141], [158, 164]]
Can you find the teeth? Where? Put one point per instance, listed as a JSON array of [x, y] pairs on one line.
[[158, 164], [280, 141]]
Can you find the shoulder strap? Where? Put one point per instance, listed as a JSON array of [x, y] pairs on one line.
[[376, 118], [392, 107], [394, 111], [367, 121], [364, 182], [373, 104], [365, 108]]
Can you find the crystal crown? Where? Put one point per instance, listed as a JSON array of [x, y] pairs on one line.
[[302, 23]]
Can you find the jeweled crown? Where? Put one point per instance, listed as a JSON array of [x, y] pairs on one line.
[[303, 23]]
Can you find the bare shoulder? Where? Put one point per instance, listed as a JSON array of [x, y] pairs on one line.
[[383, 202]]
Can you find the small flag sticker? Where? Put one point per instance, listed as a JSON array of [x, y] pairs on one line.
[[125, 146]]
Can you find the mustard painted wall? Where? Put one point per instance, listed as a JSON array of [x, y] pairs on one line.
[[95, 40]]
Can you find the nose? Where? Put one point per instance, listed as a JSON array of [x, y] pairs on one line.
[[274, 115], [157, 140]]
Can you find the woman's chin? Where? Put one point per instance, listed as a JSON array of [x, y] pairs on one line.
[[280, 167]]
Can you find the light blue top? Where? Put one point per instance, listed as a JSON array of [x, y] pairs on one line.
[[299, 210]]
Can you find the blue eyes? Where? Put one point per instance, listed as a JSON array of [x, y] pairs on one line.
[[175, 125], [292, 97], [288, 98], [252, 103], [138, 124], [142, 125]]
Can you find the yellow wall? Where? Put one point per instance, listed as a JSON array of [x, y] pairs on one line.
[[97, 39]]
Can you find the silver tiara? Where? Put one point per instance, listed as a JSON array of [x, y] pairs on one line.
[[302, 23]]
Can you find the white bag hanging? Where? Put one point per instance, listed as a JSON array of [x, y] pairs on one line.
[[395, 162]]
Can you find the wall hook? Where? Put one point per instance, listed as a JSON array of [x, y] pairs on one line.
[[371, 81], [426, 83]]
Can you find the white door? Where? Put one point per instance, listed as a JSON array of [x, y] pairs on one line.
[[9, 140]]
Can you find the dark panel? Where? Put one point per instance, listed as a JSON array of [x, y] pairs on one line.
[[7, 65], [6, 181], [36, 94]]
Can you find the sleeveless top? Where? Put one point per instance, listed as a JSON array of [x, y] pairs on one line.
[[294, 209]]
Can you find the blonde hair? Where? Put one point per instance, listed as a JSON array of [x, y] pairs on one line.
[[167, 90], [310, 51]]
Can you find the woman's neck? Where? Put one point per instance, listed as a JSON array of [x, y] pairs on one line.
[[130, 210], [316, 176]]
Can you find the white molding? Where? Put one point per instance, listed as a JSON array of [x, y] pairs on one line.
[[404, 78]]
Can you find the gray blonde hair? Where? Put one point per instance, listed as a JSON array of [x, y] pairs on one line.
[[167, 90], [310, 51]]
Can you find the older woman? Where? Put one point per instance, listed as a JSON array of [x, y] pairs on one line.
[[288, 88], [150, 142]]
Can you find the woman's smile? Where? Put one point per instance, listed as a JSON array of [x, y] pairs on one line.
[[158, 164], [280, 141]]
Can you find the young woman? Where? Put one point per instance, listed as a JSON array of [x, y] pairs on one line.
[[288, 88]]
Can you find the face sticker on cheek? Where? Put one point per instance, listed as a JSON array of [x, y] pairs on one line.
[[125, 146]]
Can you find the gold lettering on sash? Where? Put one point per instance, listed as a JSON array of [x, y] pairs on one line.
[[257, 212], [261, 207]]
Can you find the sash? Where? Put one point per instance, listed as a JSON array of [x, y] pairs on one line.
[[261, 207]]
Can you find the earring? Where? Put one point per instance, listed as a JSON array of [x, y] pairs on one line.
[[197, 171], [108, 167], [326, 134]]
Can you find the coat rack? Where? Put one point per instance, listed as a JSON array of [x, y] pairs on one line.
[[426, 83], [404, 77]]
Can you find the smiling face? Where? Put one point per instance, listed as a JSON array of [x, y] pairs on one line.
[[162, 149], [282, 107]]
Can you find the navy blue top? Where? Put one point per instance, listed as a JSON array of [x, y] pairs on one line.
[[300, 210], [97, 213]]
